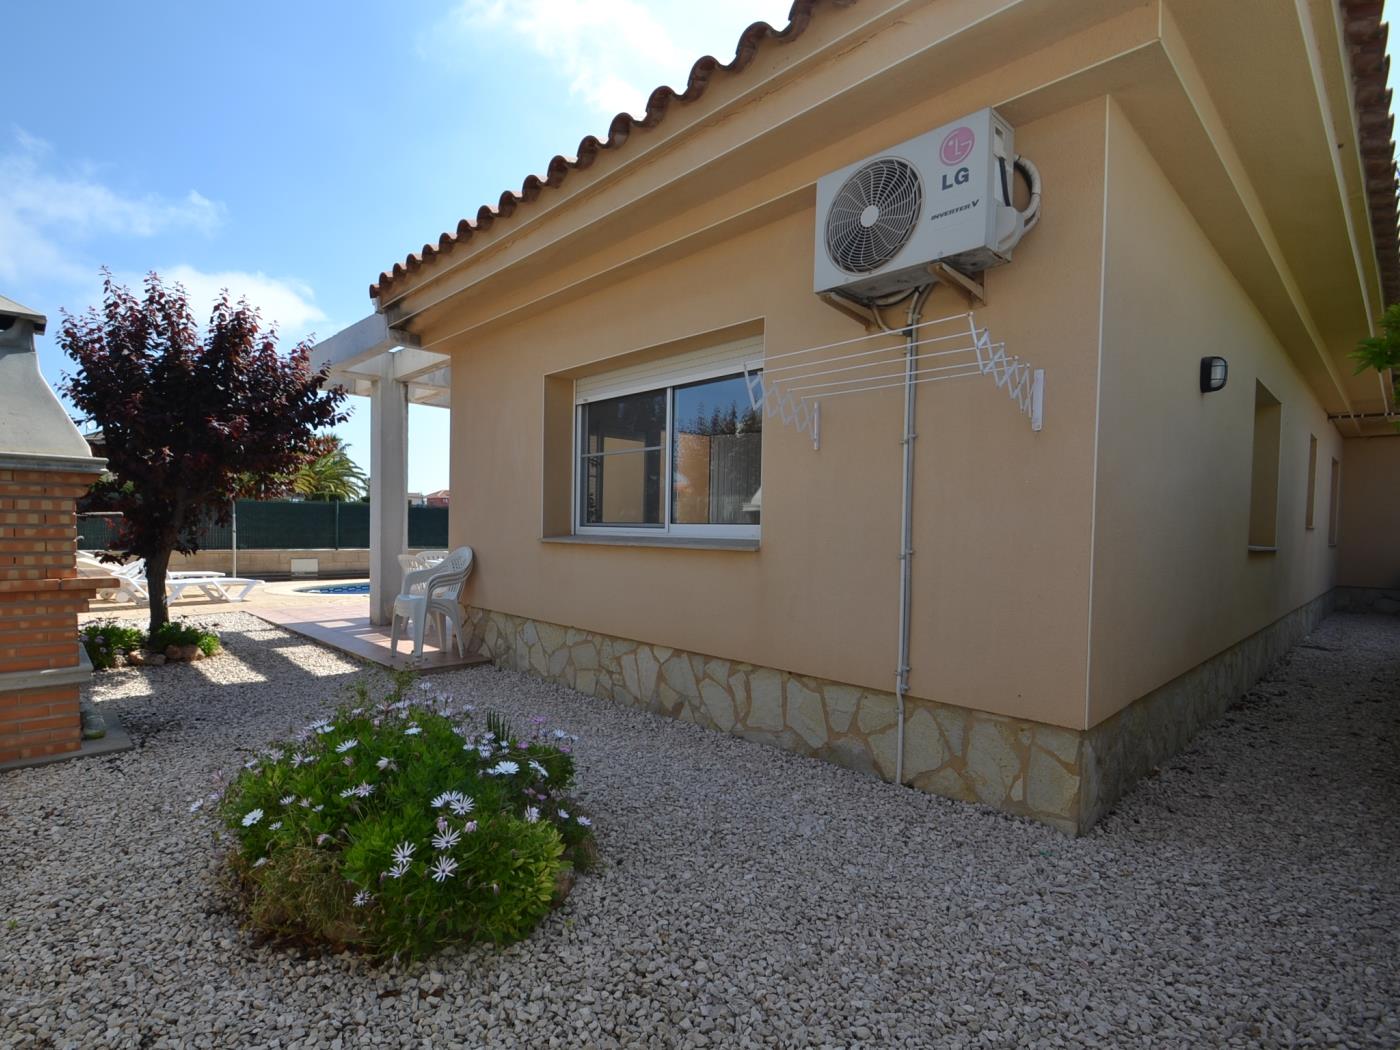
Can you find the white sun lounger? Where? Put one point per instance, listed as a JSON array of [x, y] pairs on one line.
[[216, 588]]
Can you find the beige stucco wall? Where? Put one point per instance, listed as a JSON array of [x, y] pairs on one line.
[[1368, 539], [1173, 583], [1002, 526]]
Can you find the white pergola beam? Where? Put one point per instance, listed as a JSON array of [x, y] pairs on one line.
[[363, 341]]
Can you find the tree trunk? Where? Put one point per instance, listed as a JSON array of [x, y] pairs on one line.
[[156, 567]]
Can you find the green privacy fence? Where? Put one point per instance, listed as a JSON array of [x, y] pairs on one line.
[[285, 525]]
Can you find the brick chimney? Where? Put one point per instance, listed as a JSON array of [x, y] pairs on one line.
[[45, 466]]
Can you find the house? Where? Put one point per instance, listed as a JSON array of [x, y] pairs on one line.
[[438, 498], [1105, 545]]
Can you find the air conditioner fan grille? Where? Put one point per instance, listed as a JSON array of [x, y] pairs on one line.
[[873, 215]]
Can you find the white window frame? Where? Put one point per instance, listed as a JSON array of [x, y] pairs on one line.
[[719, 362]]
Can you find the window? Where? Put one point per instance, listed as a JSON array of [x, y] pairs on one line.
[[680, 458], [1312, 480], [1263, 484], [1334, 507]]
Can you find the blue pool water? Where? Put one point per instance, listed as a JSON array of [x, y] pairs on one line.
[[336, 588]]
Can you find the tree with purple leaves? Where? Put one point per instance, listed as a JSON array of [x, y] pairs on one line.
[[192, 418]]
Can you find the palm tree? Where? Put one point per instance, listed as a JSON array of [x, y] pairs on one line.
[[331, 476]]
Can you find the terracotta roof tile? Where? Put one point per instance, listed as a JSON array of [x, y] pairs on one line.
[[1366, 37], [622, 126]]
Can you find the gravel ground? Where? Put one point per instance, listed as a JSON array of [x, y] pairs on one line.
[[1248, 895]]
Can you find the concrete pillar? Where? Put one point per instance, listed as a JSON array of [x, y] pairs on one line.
[[388, 490]]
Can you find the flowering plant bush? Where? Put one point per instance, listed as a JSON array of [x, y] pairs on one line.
[[106, 640], [402, 825], [182, 633]]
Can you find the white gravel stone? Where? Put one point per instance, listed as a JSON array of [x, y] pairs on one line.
[[1245, 896]]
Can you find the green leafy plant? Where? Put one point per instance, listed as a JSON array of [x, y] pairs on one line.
[[404, 824], [106, 640], [1381, 352], [181, 633]]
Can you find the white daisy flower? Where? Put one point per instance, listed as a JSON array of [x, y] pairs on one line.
[[403, 852], [252, 763], [274, 826], [196, 805], [319, 726], [412, 731], [322, 838], [559, 734], [446, 799], [306, 804], [443, 868], [585, 822], [462, 805], [252, 817], [287, 800], [398, 870], [446, 839], [365, 790], [469, 826], [299, 759], [504, 768], [563, 814], [532, 814], [259, 862], [386, 763], [361, 899], [484, 752], [539, 769], [345, 746], [317, 808]]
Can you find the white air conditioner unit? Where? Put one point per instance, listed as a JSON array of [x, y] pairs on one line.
[[942, 197]]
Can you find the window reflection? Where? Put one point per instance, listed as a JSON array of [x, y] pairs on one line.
[[716, 455]]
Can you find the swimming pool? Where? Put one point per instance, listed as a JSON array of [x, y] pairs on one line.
[[336, 588]]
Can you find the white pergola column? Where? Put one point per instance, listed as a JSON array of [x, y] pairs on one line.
[[388, 490]]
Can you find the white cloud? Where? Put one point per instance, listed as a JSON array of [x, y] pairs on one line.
[[46, 214], [611, 53], [285, 301]]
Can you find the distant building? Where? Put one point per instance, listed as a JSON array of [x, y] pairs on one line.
[[440, 498]]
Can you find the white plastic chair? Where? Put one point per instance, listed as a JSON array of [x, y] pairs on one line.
[[438, 601]]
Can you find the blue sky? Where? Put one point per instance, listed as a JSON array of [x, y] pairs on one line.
[[291, 151]]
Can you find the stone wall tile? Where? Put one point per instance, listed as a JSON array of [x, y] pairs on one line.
[[841, 701], [877, 710], [992, 763], [805, 713], [924, 749], [765, 700], [719, 704]]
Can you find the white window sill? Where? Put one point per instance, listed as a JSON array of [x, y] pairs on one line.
[[1255, 549], [678, 542]]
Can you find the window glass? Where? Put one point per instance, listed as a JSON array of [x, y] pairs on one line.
[[621, 466], [716, 454]]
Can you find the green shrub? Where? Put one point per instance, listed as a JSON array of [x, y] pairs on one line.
[[400, 826], [106, 640], [182, 633]]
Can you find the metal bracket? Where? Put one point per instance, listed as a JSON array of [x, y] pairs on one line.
[[974, 287], [856, 311]]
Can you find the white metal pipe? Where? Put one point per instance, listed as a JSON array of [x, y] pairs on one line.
[[906, 528]]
